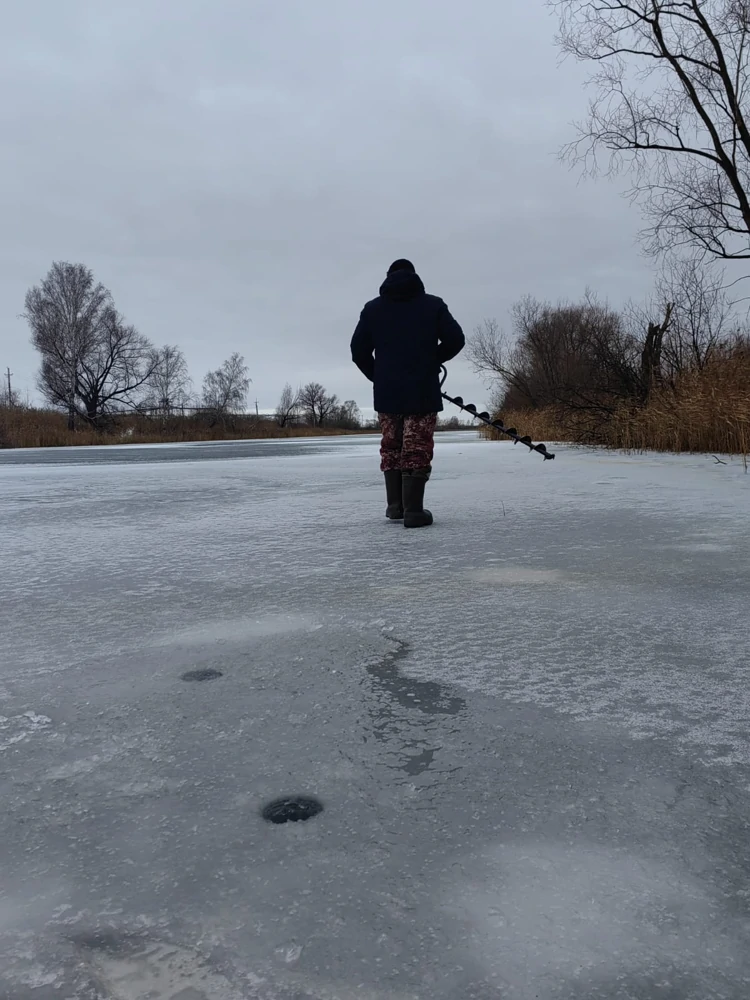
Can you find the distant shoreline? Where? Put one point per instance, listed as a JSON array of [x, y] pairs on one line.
[[26, 427]]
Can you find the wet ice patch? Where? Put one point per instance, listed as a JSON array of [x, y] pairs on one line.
[[156, 970], [204, 674], [538, 915], [18, 728], [238, 630], [491, 575], [508, 576], [701, 547], [658, 662], [76, 768]]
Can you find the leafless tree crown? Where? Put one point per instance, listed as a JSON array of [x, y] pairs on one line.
[[170, 386], [288, 406], [225, 390], [319, 409], [578, 355], [702, 318], [671, 100], [316, 404], [92, 362]]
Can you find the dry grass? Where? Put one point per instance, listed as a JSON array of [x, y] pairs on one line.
[[705, 412], [25, 427], [541, 425]]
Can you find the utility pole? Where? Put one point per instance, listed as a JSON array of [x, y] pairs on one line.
[[8, 374], [256, 408]]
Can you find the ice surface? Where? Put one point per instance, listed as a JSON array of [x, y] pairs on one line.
[[529, 726]]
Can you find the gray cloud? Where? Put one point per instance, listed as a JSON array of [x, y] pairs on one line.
[[240, 174]]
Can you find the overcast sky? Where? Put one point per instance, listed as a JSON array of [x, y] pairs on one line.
[[240, 173]]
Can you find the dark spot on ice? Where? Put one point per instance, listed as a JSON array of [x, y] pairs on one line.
[[423, 696], [205, 674], [291, 809], [110, 942]]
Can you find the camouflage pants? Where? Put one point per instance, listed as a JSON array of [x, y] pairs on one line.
[[408, 440]]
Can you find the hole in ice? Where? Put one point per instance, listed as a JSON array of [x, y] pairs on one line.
[[291, 809], [204, 674]]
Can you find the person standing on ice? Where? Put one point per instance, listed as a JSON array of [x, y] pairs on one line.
[[401, 340]]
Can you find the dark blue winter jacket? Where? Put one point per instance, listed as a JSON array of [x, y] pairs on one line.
[[400, 342]]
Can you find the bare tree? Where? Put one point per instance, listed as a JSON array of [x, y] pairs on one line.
[[576, 355], [350, 413], [652, 374], [686, 322], [671, 100], [170, 385], [92, 361], [316, 404], [449, 423], [312, 400], [288, 406], [65, 313], [493, 355], [225, 390], [116, 370], [497, 398], [701, 316], [487, 350], [346, 415]]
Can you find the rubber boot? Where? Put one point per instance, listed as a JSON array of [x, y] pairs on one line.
[[393, 488], [414, 482]]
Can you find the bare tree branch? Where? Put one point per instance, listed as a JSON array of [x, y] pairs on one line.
[[170, 386], [671, 96]]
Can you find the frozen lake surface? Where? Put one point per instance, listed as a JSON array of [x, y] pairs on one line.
[[529, 726]]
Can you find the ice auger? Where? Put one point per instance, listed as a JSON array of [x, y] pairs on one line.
[[498, 425]]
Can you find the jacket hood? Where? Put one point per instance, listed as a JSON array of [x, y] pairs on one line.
[[402, 286]]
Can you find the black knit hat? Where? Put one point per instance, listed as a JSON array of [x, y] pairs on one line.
[[402, 265]]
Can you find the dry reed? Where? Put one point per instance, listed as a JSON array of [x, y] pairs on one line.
[[706, 411], [27, 427]]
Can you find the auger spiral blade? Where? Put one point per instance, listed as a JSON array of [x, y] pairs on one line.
[[496, 424]]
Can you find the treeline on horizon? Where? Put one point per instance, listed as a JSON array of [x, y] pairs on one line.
[[579, 372], [104, 382]]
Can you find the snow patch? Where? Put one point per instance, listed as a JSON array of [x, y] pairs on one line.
[[538, 914], [18, 728], [509, 576], [161, 972], [238, 630]]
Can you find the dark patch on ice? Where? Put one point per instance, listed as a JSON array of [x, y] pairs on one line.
[[204, 674], [110, 942], [415, 743], [423, 696], [292, 809]]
